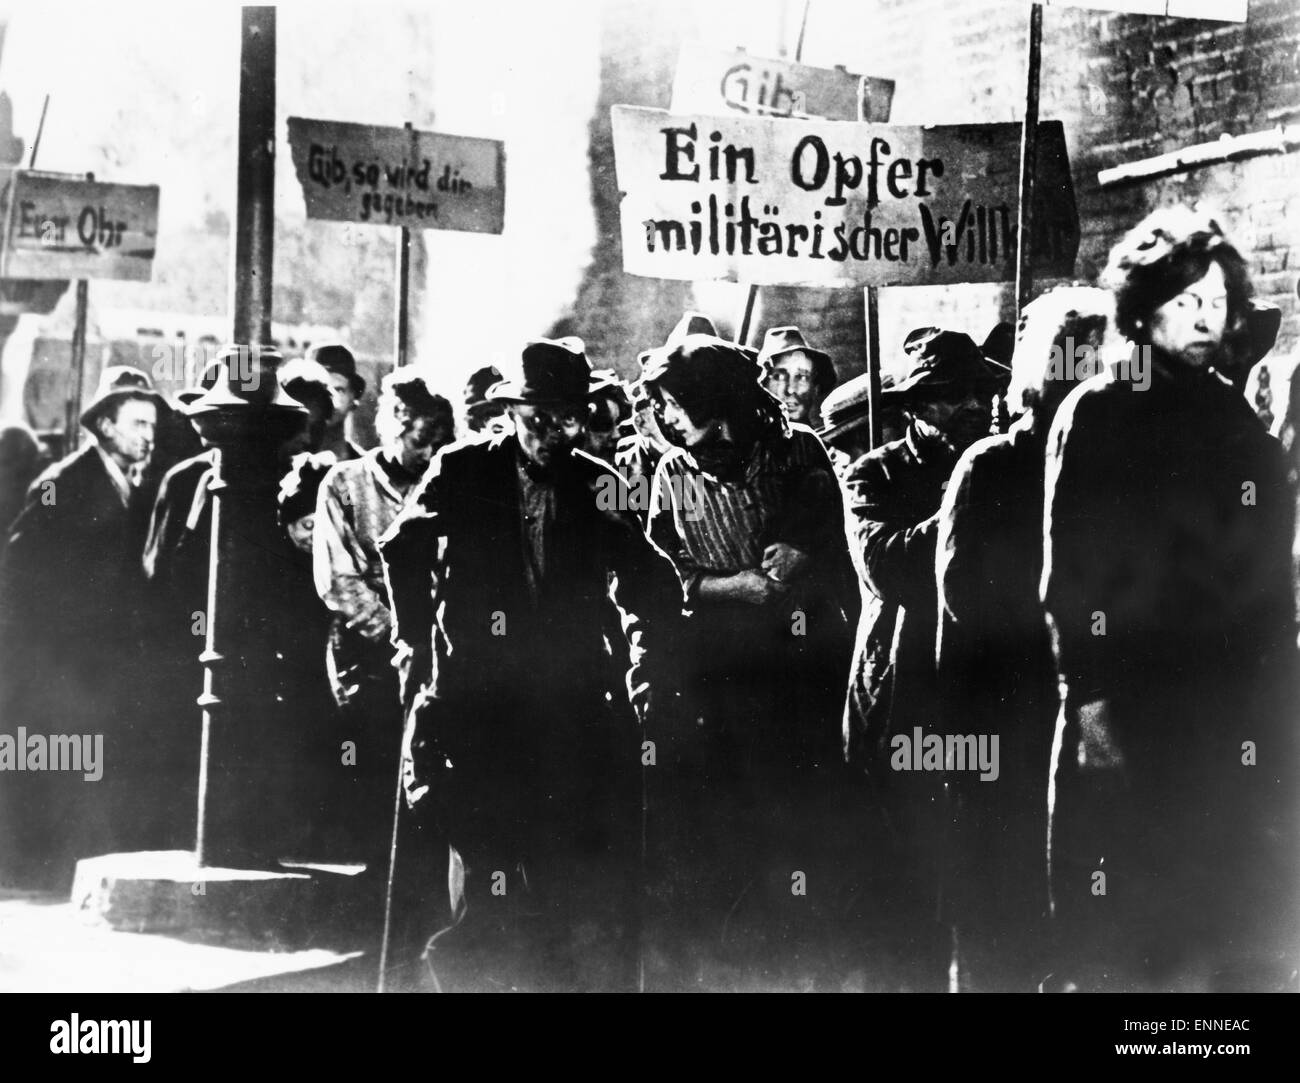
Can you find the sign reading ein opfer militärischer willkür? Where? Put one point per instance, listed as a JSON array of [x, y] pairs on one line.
[[399, 176], [62, 227], [821, 203], [731, 81]]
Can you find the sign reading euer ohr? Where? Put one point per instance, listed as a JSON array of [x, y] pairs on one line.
[[64, 227], [399, 176], [817, 203]]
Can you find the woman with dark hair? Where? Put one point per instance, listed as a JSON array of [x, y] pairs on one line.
[[1166, 579], [747, 508]]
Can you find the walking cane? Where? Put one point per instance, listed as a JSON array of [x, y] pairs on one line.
[[644, 885], [392, 873]]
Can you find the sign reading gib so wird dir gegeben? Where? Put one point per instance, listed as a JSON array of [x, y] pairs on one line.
[[61, 227], [814, 203], [399, 176]]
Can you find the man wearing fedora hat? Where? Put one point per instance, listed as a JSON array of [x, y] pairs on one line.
[[346, 387], [894, 496], [797, 374], [895, 491], [499, 572], [69, 628]]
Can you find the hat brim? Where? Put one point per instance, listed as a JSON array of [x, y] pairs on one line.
[[822, 355], [833, 432], [93, 411], [923, 379], [508, 392]]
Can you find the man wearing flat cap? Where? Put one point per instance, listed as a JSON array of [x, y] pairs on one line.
[[894, 496], [516, 750], [346, 388], [69, 625]]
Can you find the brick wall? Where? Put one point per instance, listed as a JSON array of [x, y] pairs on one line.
[[1126, 87]]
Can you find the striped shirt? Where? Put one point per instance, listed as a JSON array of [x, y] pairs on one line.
[[712, 527]]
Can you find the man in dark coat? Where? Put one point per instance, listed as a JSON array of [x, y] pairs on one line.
[[996, 674], [894, 495], [70, 634], [498, 572]]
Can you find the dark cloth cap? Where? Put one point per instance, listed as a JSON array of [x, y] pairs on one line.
[[553, 371], [940, 359], [848, 407], [712, 361], [476, 387], [335, 357]]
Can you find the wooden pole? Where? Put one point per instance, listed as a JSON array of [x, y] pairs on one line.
[[401, 304], [1028, 163], [255, 179], [40, 130], [77, 376], [874, 405], [873, 318]]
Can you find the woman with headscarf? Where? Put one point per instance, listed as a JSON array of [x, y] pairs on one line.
[[1166, 578], [747, 507]]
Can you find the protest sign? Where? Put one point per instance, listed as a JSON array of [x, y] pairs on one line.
[[399, 176], [731, 80], [61, 227], [816, 203]]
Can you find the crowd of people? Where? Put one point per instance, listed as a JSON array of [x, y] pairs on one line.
[[1005, 696]]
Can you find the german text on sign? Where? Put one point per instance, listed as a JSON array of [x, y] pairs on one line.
[[63, 227], [731, 80], [788, 202], [399, 176]]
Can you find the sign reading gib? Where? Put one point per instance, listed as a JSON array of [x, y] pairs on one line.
[[731, 81], [61, 227], [399, 176]]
